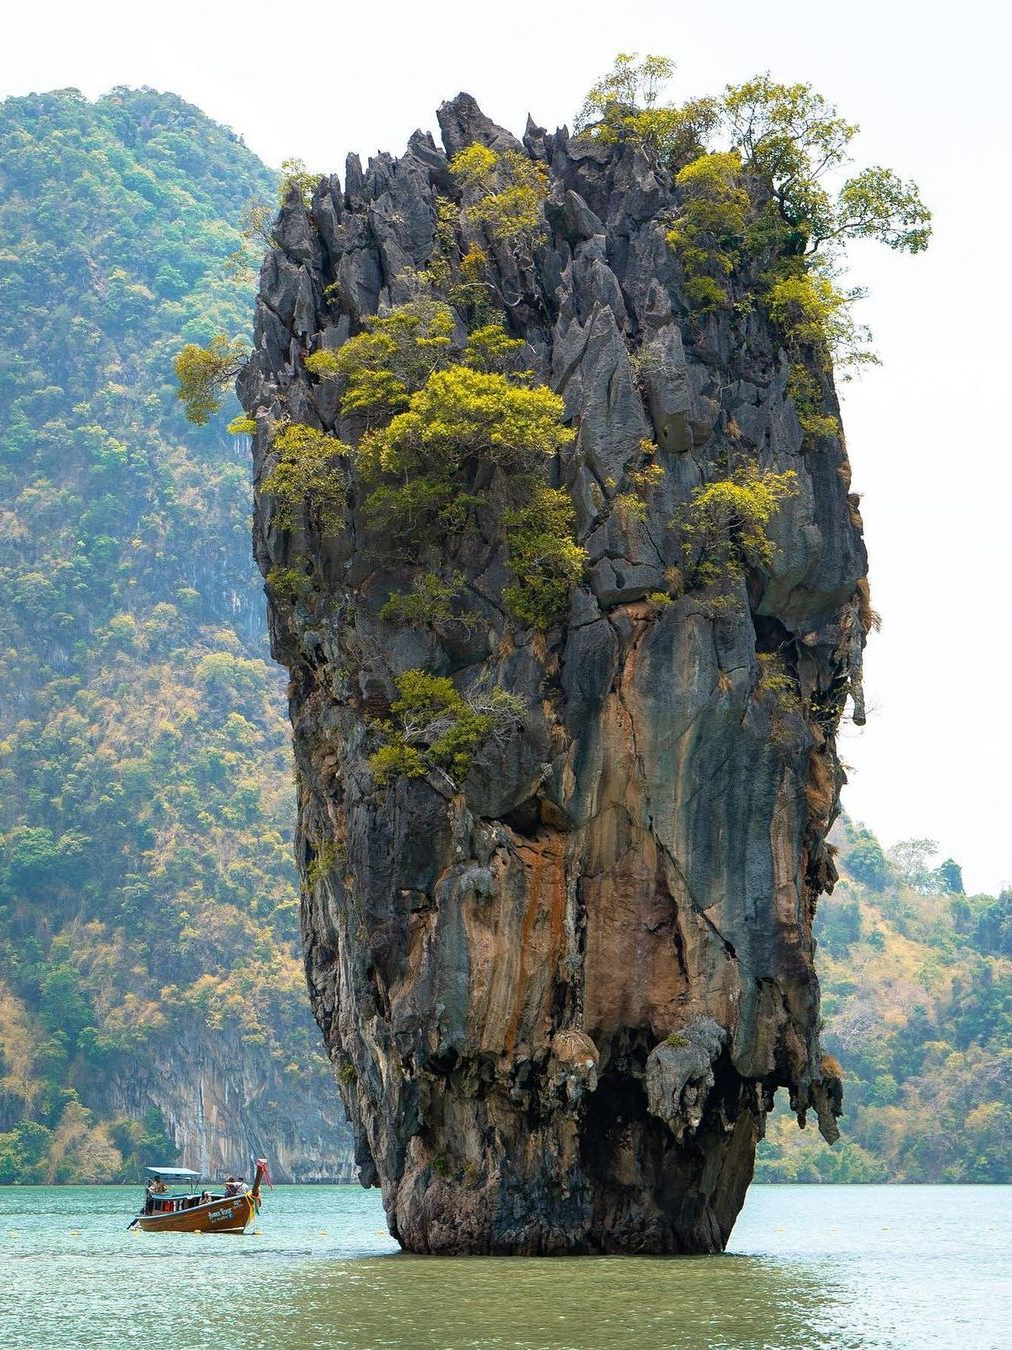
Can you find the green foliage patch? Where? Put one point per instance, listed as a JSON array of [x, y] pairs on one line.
[[504, 194], [709, 231], [725, 531], [751, 170], [434, 727], [918, 1012], [309, 476], [439, 419], [625, 105]]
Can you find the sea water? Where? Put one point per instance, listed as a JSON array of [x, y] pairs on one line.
[[808, 1266]]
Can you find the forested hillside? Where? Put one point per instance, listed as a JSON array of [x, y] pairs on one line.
[[917, 998], [151, 992]]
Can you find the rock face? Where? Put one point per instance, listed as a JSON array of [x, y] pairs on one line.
[[224, 1103], [561, 999]]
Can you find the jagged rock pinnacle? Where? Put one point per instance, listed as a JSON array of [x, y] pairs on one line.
[[560, 998]]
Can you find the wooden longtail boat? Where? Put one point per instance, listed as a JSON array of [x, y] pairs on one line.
[[187, 1210]]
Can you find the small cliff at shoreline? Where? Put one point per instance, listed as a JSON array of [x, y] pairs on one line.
[[562, 954], [224, 1102]]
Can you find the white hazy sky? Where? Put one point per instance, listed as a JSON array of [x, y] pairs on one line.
[[929, 434]]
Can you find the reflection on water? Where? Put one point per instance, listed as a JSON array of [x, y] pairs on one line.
[[569, 1304], [810, 1267]]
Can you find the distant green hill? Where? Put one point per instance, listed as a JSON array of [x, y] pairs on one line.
[[150, 982], [917, 999]]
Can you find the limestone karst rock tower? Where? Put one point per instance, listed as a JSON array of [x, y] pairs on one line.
[[561, 986]]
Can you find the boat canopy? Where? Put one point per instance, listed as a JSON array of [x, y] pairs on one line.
[[173, 1173]]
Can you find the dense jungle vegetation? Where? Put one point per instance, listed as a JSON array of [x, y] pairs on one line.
[[146, 883], [917, 1001]]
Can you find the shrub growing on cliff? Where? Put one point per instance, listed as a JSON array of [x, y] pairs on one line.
[[461, 420], [442, 422], [491, 349], [790, 139], [820, 334], [816, 315], [310, 475], [429, 603], [778, 690], [710, 228], [383, 366], [544, 557], [624, 105], [295, 177], [203, 373], [256, 224], [504, 194], [434, 727], [764, 191], [808, 398], [289, 584], [724, 528]]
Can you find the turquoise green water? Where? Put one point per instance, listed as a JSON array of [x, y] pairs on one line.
[[831, 1266]]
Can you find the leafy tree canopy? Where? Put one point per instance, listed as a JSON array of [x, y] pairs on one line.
[[792, 139], [762, 173]]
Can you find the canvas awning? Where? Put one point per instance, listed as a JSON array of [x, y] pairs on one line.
[[173, 1173]]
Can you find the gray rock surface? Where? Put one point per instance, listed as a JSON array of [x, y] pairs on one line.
[[561, 999]]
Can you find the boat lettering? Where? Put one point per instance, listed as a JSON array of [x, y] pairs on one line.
[[216, 1214]]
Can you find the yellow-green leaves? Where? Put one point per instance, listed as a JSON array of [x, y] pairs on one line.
[[808, 397], [710, 228], [203, 373], [289, 583], [461, 419], [507, 193], [439, 422], [429, 603], [434, 727], [724, 529], [310, 476], [790, 138], [816, 316], [463, 414], [631, 84], [473, 166], [492, 350], [713, 196], [295, 175], [256, 233], [777, 688], [623, 106], [877, 204], [805, 305], [780, 127], [392, 359], [544, 557]]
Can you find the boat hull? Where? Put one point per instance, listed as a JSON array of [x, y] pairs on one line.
[[230, 1215]]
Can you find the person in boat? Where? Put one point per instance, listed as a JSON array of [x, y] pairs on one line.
[[205, 1197], [231, 1186]]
